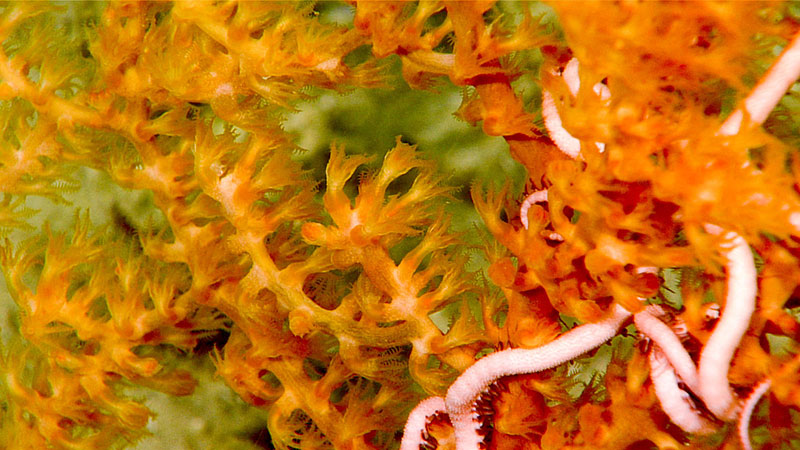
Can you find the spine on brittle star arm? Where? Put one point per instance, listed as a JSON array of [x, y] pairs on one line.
[[740, 303], [647, 323], [466, 389], [414, 432], [674, 401]]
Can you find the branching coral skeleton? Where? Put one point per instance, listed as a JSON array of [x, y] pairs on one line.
[[669, 361]]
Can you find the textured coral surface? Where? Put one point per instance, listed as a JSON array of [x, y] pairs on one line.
[[335, 283]]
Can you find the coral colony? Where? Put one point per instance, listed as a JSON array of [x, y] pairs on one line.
[[644, 293]]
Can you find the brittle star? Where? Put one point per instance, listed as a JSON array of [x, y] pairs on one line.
[[710, 381]]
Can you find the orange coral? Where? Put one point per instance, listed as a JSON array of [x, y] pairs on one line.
[[329, 296]]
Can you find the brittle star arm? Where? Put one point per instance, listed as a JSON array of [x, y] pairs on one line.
[[414, 432], [674, 401], [568, 144], [648, 323], [539, 196], [565, 142], [780, 76], [740, 303], [465, 390], [747, 410]]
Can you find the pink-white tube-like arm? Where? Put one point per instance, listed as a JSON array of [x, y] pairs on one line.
[[572, 76], [465, 390], [415, 425], [747, 411], [763, 98], [535, 197], [674, 401], [565, 142], [648, 323], [740, 302]]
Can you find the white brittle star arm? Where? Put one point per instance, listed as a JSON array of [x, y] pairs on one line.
[[763, 98], [413, 433], [740, 303], [568, 144], [747, 410], [674, 401], [539, 196], [648, 323], [465, 390], [565, 142]]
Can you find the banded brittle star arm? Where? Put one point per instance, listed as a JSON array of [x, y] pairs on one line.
[[649, 324], [463, 393], [414, 432], [747, 410], [740, 303], [568, 144], [539, 196], [674, 401], [769, 90]]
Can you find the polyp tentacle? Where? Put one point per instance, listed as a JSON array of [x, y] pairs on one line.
[[465, 390], [740, 301], [415, 426], [674, 401]]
